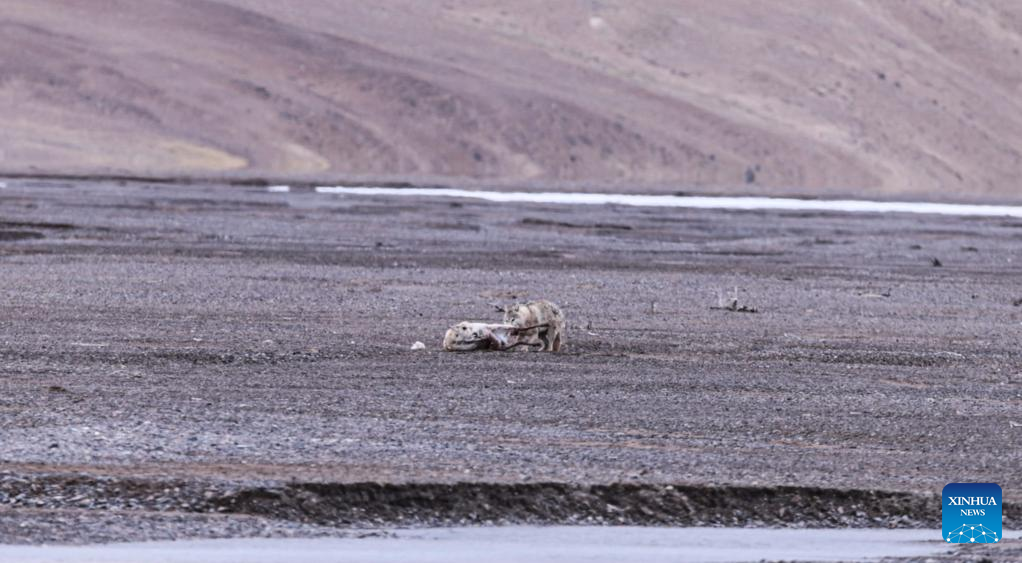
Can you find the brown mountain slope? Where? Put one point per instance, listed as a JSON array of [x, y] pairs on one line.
[[879, 98]]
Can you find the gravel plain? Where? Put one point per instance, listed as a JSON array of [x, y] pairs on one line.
[[212, 361]]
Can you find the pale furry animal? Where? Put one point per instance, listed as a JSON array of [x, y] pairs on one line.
[[541, 323], [469, 336]]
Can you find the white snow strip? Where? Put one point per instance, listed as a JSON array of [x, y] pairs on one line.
[[696, 202], [279, 189]]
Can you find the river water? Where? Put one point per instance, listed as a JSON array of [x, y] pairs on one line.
[[506, 544]]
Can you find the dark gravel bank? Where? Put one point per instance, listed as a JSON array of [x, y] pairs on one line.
[[374, 504]]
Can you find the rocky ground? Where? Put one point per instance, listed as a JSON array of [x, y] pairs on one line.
[[208, 361]]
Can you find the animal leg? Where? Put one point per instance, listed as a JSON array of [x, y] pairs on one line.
[[544, 336]]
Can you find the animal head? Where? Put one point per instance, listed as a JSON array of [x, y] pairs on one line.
[[464, 336], [517, 314]]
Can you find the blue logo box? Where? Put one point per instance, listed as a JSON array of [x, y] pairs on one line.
[[972, 513]]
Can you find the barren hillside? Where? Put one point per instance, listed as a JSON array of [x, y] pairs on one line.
[[870, 98]]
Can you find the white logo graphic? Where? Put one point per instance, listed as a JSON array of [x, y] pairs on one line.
[[969, 533]]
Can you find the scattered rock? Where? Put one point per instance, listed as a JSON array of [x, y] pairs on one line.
[[732, 304], [418, 346]]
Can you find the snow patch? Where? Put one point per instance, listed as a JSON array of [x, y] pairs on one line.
[[694, 202]]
